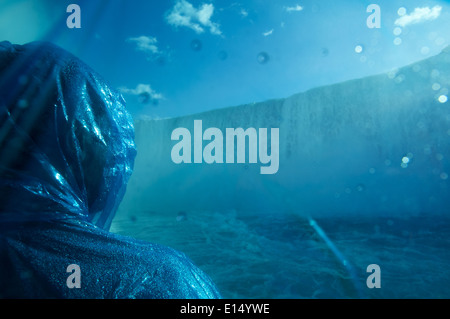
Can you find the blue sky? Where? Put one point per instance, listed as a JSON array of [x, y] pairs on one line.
[[178, 57]]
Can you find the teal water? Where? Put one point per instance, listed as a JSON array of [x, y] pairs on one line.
[[281, 256]]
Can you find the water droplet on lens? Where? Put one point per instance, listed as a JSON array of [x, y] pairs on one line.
[[425, 50], [196, 45], [434, 73], [263, 58], [325, 52], [442, 98], [161, 60], [399, 79], [358, 49], [23, 104], [181, 216], [144, 97], [401, 11], [440, 41]]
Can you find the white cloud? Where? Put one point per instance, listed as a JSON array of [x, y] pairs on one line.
[[144, 92], [268, 33], [183, 14], [419, 15], [145, 44], [295, 8]]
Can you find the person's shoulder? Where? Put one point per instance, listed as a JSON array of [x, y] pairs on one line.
[[179, 278], [165, 272]]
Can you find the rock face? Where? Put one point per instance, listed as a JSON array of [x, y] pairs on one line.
[[376, 145]]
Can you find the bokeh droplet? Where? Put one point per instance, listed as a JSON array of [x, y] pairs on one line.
[[263, 57], [196, 45]]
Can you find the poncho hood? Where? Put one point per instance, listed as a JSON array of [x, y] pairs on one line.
[[66, 140]]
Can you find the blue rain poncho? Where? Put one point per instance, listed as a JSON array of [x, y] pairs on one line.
[[66, 153]]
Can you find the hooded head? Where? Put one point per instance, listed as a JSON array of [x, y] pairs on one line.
[[66, 140]]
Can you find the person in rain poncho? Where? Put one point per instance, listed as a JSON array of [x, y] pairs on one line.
[[66, 153]]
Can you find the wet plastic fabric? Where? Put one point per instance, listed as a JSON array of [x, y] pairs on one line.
[[66, 153]]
